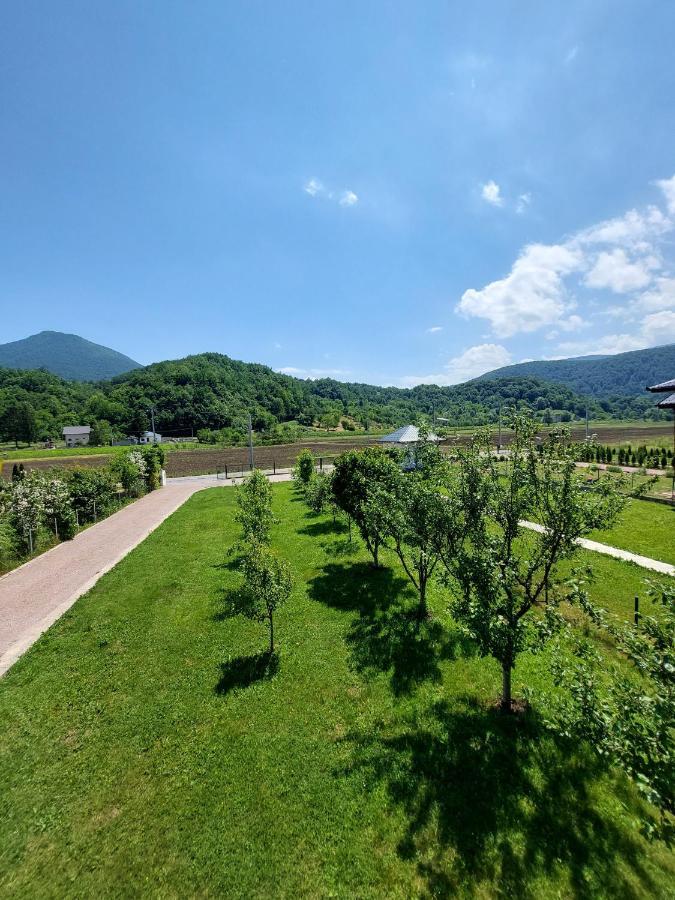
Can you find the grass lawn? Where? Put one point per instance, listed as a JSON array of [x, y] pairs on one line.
[[645, 528], [149, 747]]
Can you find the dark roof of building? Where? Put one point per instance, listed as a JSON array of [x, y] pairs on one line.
[[663, 387], [667, 402]]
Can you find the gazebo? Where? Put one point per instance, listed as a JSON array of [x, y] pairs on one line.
[[407, 434], [666, 387]]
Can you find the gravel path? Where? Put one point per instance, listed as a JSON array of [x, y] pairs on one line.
[[36, 594]]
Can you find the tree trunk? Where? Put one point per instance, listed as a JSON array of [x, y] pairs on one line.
[[376, 550], [506, 687], [423, 609], [271, 634]]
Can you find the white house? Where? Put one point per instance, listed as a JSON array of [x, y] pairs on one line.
[[76, 435], [150, 437]]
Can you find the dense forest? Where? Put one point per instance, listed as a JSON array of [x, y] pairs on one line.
[[623, 374], [213, 393]]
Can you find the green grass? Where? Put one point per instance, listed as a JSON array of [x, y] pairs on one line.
[[9, 455], [148, 747], [645, 528]]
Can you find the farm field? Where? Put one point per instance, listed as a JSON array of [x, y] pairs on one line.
[[148, 745]]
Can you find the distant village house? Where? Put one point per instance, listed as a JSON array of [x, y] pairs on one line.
[[76, 435], [150, 437]]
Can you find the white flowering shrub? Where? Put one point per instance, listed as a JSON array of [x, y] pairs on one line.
[[27, 505], [137, 459]]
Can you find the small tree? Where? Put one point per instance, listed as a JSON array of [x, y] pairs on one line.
[[267, 585], [254, 513], [303, 470], [361, 483], [418, 522], [318, 493], [504, 571]]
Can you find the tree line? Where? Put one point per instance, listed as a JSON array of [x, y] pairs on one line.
[[216, 394]]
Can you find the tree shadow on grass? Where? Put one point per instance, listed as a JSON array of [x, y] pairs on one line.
[[496, 804], [246, 670], [386, 635], [323, 526]]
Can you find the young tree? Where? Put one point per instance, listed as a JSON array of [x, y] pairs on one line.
[[503, 570], [303, 470], [418, 522], [361, 483], [254, 513], [267, 585], [318, 493]]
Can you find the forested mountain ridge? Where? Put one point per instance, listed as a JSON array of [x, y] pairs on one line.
[[213, 392], [622, 374], [67, 355]]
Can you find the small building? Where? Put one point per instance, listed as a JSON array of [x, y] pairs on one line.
[[76, 435], [150, 437]]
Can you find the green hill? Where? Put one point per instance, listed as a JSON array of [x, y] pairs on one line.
[[67, 355], [213, 392], [623, 374]]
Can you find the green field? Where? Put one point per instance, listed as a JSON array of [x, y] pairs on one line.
[[148, 747], [645, 528]]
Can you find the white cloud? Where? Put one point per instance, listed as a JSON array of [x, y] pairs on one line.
[[473, 362], [524, 201], [547, 282], [656, 328], [667, 185], [314, 187], [661, 296], [531, 296], [634, 230], [434, 329], [491, 193], [348, 198], [659, 327], [613, 270], [572, 54]]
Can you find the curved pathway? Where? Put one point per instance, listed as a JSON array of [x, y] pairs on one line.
[[36, 594]]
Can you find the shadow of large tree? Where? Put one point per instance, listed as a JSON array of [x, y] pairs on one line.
[[494, 804], [386, 635]]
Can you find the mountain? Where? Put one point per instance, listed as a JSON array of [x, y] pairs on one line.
[[67, 355], [622, 374]]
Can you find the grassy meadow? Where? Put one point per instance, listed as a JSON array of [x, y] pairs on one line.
[[149, 746]]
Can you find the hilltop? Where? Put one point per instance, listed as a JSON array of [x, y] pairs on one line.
[[67, 355]]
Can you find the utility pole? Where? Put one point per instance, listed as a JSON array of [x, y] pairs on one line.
[[152, 419], [250, 443]]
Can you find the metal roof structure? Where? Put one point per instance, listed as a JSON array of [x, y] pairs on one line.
[[407, 434], [76, 430], [667, 402], [662, 388]]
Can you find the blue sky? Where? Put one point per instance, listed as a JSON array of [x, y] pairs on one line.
[[386, 192]]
